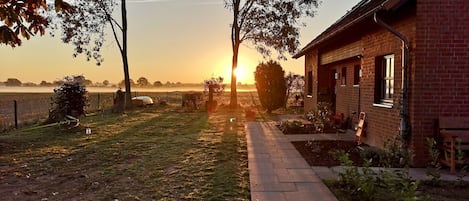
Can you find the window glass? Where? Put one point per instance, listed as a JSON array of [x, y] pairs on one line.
[[310, 83], [385, 79], [356, 75], [343, 79]]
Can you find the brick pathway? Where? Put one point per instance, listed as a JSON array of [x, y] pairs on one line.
[[277, 171]]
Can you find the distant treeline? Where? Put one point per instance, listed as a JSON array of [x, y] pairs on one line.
[[141, 82]]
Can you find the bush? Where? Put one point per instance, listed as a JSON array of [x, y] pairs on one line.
[[270, 85], [288, 127], [368, 184], [70, 98], [322, 118]]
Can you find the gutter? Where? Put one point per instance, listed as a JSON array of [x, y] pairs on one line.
[[404, 110]]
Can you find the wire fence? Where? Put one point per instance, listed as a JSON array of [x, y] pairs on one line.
[[18, 109], [29, 108]]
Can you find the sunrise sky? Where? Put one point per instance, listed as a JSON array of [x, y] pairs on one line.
[[169, 40]]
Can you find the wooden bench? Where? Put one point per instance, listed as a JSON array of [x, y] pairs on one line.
[[451, 130]]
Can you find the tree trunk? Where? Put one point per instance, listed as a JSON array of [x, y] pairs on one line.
[[235, 42], [234, 94], [128, 98]]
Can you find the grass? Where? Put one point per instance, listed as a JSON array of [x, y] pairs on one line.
[[156, 153]]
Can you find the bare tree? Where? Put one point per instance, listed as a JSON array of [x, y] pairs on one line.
[[268, 24]]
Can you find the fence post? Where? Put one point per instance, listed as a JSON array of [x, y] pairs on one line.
[[15, 105], [99, 101]]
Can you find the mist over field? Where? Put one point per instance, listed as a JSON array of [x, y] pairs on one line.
[[4, 89]]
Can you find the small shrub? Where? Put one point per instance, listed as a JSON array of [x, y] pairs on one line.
[[433, 170], [359, 183], [70, 98], [322, 118], [460, 157], [290, 126], [373, 153], [395, 155]]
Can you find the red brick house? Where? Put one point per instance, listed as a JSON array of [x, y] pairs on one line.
[[402, 62]]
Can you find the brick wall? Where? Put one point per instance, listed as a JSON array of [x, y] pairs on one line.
[[311, 64], [346, 95], [382, 123], [440, 84]]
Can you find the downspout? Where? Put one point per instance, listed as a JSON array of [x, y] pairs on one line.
[[404, 110]]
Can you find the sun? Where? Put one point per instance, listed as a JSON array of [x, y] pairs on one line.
[[243, 73], [240, 73]]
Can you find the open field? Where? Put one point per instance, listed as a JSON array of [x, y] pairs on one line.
[[154, 153], [34, 107]]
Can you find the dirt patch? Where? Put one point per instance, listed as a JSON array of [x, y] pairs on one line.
[[448, 191], [320, 153]]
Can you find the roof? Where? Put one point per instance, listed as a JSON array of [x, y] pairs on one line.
[[363, 10]]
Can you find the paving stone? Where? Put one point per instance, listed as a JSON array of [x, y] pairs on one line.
[[291, 163], [298, 175], [267, 196], [324, 172], [273, 187], [308, 196]]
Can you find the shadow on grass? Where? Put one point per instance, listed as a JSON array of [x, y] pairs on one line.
[[120, 162], [230, 179]]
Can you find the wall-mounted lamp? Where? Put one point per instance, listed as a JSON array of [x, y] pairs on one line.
[[360, 73], [336, 76]]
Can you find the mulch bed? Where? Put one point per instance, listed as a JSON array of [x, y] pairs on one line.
[[319, 153], [305, 129]]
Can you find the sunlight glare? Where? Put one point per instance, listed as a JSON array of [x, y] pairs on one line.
[[243, 72], [240, 73]]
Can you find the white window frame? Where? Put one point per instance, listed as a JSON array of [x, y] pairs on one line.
[[387, 79]]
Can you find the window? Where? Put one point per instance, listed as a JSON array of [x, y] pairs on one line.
[[343, 79], [356, 75], [385, 79], [310, 83]]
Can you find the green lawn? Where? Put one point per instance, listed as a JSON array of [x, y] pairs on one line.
[[156, 153]]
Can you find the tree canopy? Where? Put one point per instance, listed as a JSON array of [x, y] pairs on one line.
[[13, 82], [268, 24], [143, 82], [85, 29], [26, 18]]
